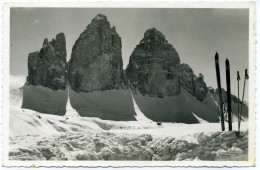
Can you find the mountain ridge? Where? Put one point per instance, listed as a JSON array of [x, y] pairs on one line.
[[95, 76]]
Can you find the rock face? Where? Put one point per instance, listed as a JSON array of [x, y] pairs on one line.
[[59, 45], [48, 67], [96, 74], [154, 69], [96, 60], [153, 66], [191, 83], [164, 89], [45, 87]]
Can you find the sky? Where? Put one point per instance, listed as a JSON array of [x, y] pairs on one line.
[[196, 34]]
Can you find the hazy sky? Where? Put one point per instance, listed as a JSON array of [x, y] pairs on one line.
[[195, 33]]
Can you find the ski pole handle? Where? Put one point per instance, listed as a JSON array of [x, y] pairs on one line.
[[238, 76], [246, 75]]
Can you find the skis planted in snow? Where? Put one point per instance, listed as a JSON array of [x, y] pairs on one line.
[[240, 115], [220, 102], [228, 95]]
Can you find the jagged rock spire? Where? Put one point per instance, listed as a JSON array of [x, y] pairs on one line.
[[48, 66]]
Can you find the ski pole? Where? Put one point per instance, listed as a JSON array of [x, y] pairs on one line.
[[246, 77], [238, 113]]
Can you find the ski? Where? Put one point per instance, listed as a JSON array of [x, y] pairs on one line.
[[238, 112], [228, 95], [220, 108], [240, 115]]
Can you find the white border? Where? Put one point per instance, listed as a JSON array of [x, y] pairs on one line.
[[163, 4]]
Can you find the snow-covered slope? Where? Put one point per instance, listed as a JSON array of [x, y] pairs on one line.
[[31, 122], [37, 136], [183, 108], [121, 105], [35, 123], [139, 114], [180, 108], [107, 105], [44, 100]]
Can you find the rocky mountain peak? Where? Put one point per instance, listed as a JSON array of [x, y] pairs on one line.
[[60, 46], [100, 17], [154, 40], [153, 66], [99, 20], [96, 60], [154, 69], [154, 35], [193, 84], [45, 42], [48, 66]]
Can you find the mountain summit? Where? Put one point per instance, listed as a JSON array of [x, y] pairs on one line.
[[96, 60], [154, 69], [45, 87], [48, 66], [96, 74], [164, 89], [155, 81]]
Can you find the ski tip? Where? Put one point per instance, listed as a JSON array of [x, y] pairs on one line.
[[216, 55], [227, 61]]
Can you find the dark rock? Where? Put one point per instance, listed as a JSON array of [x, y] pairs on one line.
[[60, 46], [45, 87], [98, 82], [191, 83], [154, 69], [48, 67], [45, 42], [96, 61], [211, 89], [164, 89], [153, 66]]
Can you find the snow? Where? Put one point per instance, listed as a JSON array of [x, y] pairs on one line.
[[37, 136], [139, 115], [107, 105], [199, 119], [44, 100], [183, 110], [70, 112], [111, 146]]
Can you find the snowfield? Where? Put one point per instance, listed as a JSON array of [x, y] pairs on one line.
[[37, 136], [111, 146]]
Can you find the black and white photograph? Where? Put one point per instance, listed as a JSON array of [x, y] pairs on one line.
[[118, 84]]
